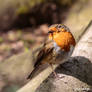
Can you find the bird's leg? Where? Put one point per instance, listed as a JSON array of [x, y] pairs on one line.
[[51, 64], [55, 74], [53, 70]]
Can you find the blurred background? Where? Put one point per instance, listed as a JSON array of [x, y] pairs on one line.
[[24, 24]]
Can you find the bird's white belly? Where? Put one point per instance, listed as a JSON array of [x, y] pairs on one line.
[[56, 47], [61, 54]]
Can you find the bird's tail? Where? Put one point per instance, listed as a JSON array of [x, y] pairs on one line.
[[33, 73]]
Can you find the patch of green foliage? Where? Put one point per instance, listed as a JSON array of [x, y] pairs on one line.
[[26, 6], [1, 39]]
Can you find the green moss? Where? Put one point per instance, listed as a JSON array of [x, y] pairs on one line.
[[19, 34], [22, 10], [26, 49], [1, 39], [26, 6]]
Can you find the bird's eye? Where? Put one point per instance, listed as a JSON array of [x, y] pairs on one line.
[[59, 26]]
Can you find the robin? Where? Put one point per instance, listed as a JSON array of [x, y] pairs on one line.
[[57, 48]]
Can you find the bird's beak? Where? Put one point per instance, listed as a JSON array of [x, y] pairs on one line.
[[50, 32]]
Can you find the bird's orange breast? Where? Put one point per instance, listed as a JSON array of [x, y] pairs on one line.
[[64, 40]]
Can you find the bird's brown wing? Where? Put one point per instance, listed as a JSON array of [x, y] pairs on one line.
[[44, 52]]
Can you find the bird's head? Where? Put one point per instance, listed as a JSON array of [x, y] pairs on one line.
[[61, 35], [56, 29]]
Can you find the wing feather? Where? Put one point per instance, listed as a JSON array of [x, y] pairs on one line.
[[44, 52]]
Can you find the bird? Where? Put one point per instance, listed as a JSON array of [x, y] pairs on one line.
[[56, 49]]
